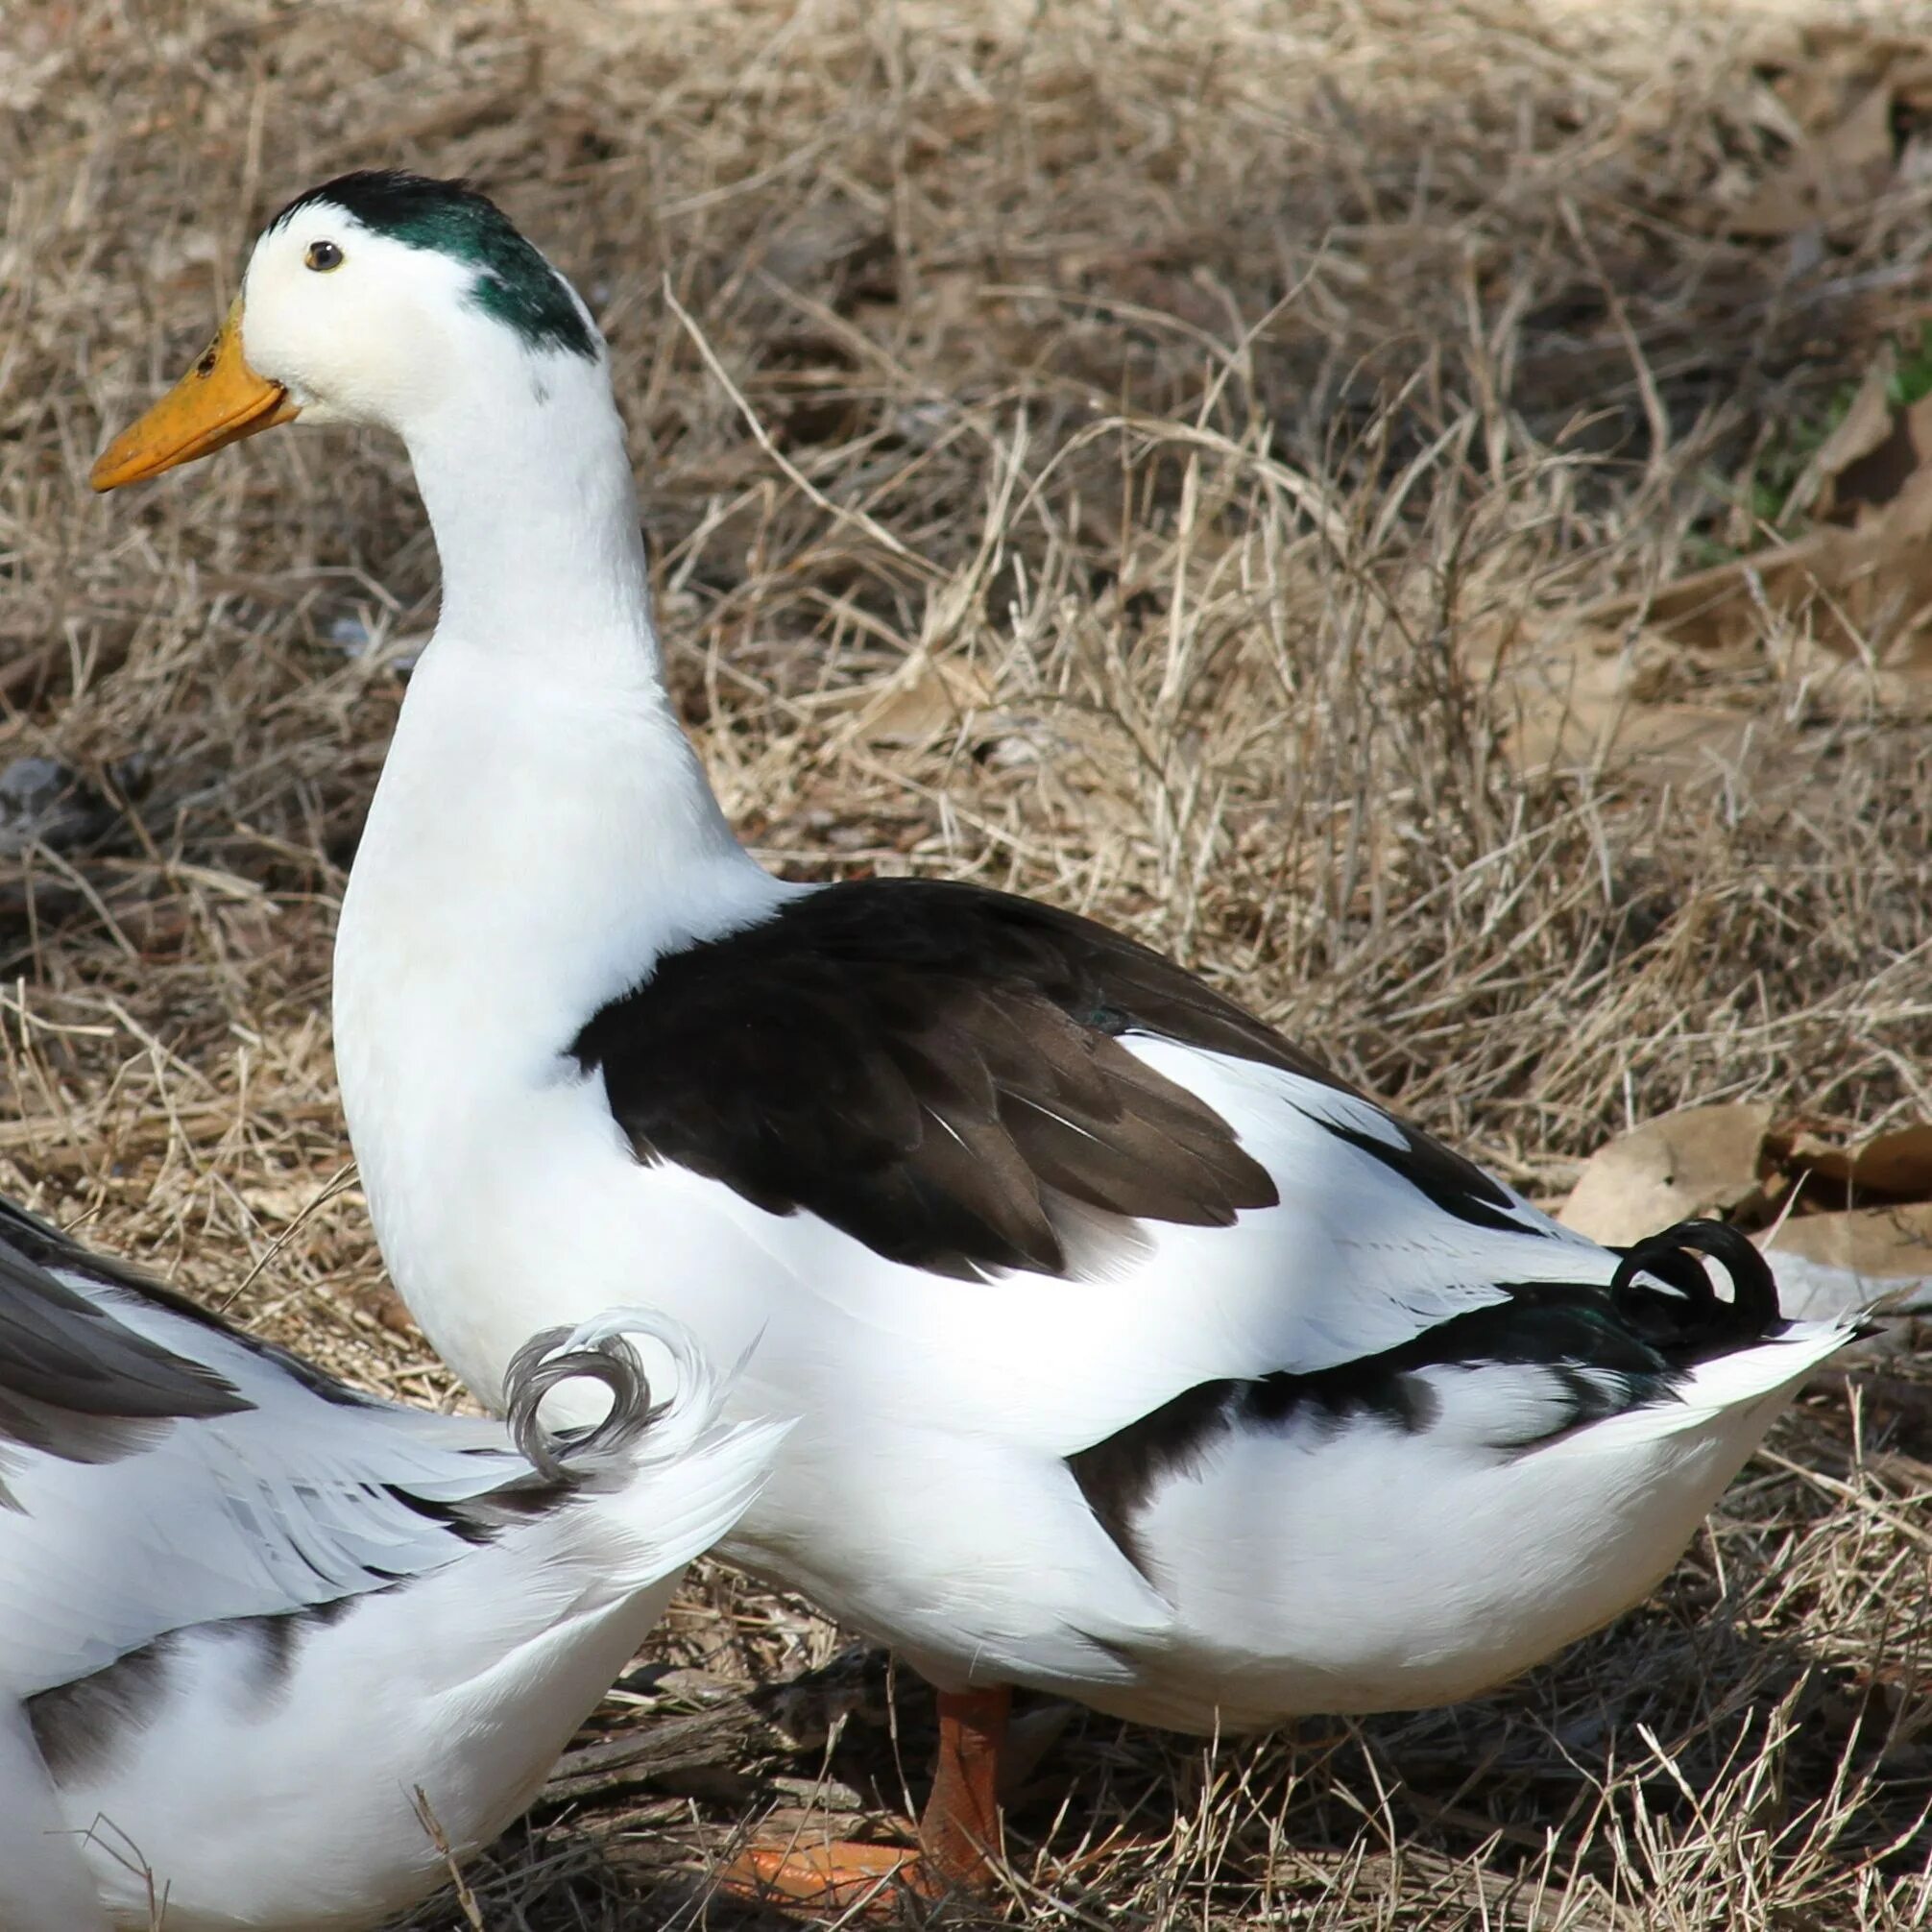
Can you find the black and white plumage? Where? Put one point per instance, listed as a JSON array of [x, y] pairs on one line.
[[939, 1070], [246, 1613], [1138, 1357]]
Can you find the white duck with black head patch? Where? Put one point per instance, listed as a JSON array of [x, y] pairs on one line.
[[1139, 1358]]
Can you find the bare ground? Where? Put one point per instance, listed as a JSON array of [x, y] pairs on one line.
[[1136, 454]]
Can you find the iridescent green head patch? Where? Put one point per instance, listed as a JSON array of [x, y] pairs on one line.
[[514, 284]]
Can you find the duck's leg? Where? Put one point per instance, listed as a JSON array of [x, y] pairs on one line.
[[958, 1831]]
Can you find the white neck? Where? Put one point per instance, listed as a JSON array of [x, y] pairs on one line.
[[543, 830], [528, 489]]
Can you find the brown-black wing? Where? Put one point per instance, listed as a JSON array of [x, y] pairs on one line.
[[937, 1070]]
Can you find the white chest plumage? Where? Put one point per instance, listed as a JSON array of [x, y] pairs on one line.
[[492, 905]]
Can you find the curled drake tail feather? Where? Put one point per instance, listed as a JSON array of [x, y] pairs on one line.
[[553, 1356], [1688, 1317], [635, 1429]]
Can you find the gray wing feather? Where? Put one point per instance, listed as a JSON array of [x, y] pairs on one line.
[[160, 1469], [77, 1384]]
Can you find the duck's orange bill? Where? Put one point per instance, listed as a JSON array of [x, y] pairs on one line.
[[219, 400]]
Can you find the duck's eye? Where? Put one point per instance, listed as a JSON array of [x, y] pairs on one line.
[[322, 256]]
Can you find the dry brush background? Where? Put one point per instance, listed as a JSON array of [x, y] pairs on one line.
[[1234, 467]]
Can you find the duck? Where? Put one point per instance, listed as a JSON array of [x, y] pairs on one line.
[[1138, 1359], [273, 1652]]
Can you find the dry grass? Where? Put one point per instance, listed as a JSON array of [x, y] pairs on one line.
[[1093, 447]]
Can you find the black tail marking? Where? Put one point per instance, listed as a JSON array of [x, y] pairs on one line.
[[1703, 1318]]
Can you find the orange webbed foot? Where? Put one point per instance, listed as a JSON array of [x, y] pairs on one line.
[[960, 1833]]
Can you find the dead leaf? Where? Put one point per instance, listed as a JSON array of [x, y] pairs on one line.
[[1885, 1243], [1841, 165], [926, 698], [1580, 691], [1866, 593], [381, 1303], [1696, 1161], [1860, 147], [1872, 481], [1897, 1166], [1866, 424], [281, 1200]]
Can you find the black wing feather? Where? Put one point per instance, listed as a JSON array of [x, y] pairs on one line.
[[937, 1070]]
